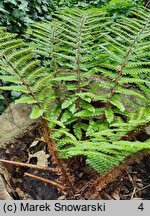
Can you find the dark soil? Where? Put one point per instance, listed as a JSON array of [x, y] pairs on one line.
[[36, 189], [134, 183]]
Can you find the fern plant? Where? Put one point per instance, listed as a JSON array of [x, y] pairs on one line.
[[93, 95]]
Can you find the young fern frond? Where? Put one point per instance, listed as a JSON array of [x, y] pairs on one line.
[[103, 155], [109, 146]]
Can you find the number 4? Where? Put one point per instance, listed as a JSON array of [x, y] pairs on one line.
[[141, 207]]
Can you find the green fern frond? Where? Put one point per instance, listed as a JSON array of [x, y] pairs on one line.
[[94, 91], [18, 67], [104, 156]]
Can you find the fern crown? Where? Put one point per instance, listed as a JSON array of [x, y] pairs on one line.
[[92, 85]]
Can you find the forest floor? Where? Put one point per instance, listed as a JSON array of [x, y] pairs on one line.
[[133, 183]]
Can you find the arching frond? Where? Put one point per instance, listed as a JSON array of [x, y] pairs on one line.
[[89, 78]]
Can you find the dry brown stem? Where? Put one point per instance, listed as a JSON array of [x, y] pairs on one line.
[[54, 183], [32, 166]]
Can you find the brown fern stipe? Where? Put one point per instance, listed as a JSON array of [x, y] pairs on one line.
[[52, 149]]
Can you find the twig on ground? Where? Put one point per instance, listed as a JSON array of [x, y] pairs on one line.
[[147, 4], [133, 193], [32, 166], [147, 186], [54, 183]]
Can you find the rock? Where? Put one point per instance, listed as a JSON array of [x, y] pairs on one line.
[[4, 195], [14, 122], [147, 129]]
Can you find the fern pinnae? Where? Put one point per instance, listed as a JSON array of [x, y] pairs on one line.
[[29, 67], [67, 57], [9, 46], [134, 22], [123, 37], [129, 52], [142, 47], [18, 54], [140, 55], [124, 80], [127, 29], [39, 34], [63, 49], [126, 91], [112, 54], [22, 60], [35, 74], [137, 63], [122, 30], [68, 21], [146, 90], [69, 38], [137, 71], [131, 24], [68, 31], [73, 45], [19, 88], [10, 79], [116, 43], [40, 42], [141, 15], [23, 81], [93, 19], [40, 29], [42, 81], [7, 37]]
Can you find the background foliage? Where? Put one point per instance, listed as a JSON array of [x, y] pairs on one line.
[[84, 4], [16, 15]]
